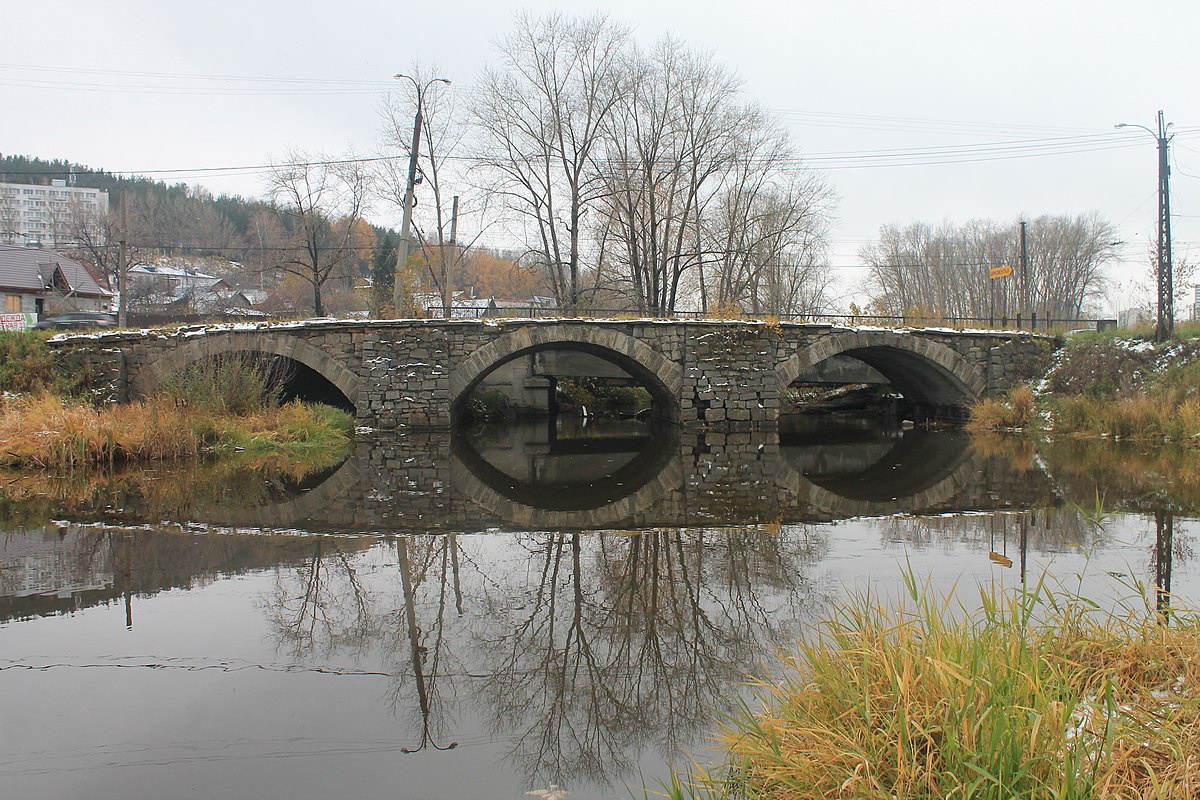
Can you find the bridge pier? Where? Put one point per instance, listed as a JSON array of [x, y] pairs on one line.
[[724, 379]]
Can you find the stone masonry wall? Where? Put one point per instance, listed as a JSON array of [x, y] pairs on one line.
[[402, 373]]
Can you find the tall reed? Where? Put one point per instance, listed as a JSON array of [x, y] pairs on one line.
[[1036, 695]]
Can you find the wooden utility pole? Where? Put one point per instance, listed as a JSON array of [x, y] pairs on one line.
[[1025, 306], [406, 219], [123, 267]]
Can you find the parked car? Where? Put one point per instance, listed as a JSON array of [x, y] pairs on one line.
[[79, 320]]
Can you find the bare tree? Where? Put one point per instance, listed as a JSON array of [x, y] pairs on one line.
[[542, 114], [670, 141], [945, 270], [96, 237], [319, 203], [698, 178], [10, 217]]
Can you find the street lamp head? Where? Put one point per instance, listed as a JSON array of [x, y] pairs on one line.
[[1118, 125], [443, 80], [401, 75]]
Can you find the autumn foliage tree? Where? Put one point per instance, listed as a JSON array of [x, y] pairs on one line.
[[493, 276]]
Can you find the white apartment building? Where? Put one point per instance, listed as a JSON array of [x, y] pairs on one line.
[[44, 215]]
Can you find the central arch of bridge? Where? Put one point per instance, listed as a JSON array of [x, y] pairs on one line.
[[929, 374], [661, 377]]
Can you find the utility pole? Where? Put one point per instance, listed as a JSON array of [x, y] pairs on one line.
[[1025, 282], [1165, 327], [1166, 288], [447, 285], [406, 220], [122, 267]]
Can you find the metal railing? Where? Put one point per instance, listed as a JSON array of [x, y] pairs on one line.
[[1034, 323]]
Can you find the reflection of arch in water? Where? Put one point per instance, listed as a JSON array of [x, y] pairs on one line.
[[270, 343], [660, 376], [309, 509], [926, 372], [655, 471], [920, 473]]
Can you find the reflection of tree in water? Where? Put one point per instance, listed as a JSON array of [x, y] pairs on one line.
[[1046, 530], [1170, 547], [623, 642], [321, 606], [325, 607]]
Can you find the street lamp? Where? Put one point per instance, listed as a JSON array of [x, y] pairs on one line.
[[1166, 290], [406, 221]]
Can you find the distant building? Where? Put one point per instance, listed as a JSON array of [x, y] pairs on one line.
[[43, 282], [169, 283], [161, 293], [464, 306], [1133, 318], [45, 216]]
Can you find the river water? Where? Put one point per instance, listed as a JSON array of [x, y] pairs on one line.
[[505, 611]]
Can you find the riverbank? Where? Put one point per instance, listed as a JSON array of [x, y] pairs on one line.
[[47, 432], [210, 409], [1034, 695], [1105, 385]]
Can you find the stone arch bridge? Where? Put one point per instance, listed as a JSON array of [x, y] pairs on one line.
[[417, 372]]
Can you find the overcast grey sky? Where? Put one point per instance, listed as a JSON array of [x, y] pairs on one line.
[[857, 83]]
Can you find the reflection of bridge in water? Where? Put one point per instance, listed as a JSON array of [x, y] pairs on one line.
[[636, 475]]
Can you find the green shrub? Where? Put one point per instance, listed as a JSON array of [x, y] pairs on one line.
[[29, 366], [601, 397], [234, 383]]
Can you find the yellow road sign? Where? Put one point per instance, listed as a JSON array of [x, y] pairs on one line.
[[1000, 272]]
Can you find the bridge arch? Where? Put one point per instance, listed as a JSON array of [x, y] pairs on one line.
[[926, 372], [266, 342], [312, 510], [466, 479], [660, 376]]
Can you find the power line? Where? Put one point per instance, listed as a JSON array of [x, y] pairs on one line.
[[851, 159], [193, 76]]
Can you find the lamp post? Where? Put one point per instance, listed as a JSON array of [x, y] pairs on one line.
[[406, 221], [1166, 290]]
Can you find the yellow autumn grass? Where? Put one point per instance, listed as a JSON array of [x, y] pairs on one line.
[[1036, 695], [45, 431], [1017, 411]]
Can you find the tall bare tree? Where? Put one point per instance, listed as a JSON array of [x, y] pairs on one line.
[[319, 203], [699, 179], [541, 113], [669, 143]]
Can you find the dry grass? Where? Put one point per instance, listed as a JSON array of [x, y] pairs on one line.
[[1109, 387], [1037, 695], [46, 432], [1157, 416], [1016, 412]]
